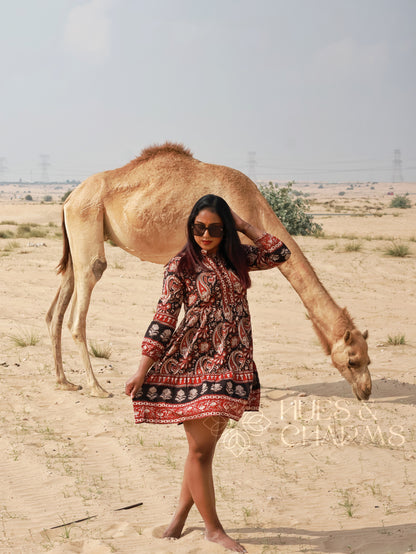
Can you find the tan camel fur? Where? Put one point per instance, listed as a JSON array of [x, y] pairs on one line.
[[143, 208]]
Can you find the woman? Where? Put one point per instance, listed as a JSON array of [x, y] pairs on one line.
[[203, 373]]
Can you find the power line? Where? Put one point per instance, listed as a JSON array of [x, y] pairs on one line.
[[3, 167], [252, 164], [44, 164], [397, 167]]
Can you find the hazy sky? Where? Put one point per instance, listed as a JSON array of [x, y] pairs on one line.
[[318, 89]]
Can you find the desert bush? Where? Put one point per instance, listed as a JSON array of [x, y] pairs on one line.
[[11, 245], [29, 198], [65, 196], [100, 350], [396, 340], [289, 209], [398, 250], [25, 338], [47, 198], [353, 246], [319, 233], [6, 234], [26, 231], [400, 201]]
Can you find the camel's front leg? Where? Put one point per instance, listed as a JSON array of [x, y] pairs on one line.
[[85, 283]]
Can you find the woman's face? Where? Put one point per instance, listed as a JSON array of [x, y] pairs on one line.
[[206, 241]]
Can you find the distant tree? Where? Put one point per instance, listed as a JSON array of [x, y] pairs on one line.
[[65, 196], [400, 201], [28, 197], [291, 210], [47, 198]]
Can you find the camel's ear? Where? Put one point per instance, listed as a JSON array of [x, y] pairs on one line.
[[365, 334], [347, 337]]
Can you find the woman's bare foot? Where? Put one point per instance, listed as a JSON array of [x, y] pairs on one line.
[[174, 529], [221, 537]]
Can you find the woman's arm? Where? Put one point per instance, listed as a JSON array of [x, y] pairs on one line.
[[268, 251], [247, 229], [160, 330]]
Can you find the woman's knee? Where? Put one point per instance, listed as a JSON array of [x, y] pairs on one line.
[[201, 454]]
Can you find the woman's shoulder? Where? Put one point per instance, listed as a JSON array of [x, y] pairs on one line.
[[173, 264]]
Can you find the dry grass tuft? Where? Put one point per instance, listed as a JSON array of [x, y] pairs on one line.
[[398, 250], [25, 337], [100, 350]]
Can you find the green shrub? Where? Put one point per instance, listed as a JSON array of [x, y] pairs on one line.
[[289, 209], [65, 196], [400, 201], [396, 340], [100, 350], [26, 231], [47, 198], [11, 245], [29, 198], [353, 246], [25, 337], [398, 250]]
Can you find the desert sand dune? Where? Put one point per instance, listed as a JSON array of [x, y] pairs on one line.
[[314, 471]]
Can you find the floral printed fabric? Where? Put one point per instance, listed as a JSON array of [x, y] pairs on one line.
[[204, 367]]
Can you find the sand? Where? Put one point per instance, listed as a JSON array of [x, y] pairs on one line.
[[314, 471]]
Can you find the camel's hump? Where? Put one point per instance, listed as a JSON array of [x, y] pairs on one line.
[[160, 149]]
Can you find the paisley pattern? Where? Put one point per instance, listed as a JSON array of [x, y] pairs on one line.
[[205, 365]]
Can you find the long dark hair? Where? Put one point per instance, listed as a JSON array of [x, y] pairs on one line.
[[230, 247]]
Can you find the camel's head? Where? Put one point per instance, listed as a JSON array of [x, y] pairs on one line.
[[350, 356]]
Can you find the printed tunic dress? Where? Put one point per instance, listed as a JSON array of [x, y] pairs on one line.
[[204, 366]]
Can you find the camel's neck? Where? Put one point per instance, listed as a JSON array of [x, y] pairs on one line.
[[322, 309], [327, 317]]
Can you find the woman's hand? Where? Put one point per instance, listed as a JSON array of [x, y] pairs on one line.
[[134, 384]]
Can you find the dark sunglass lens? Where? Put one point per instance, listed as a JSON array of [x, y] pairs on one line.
[[215, 230], [199, 229]]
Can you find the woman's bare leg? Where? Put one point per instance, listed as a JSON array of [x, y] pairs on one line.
[[186, 501], [198, 486]]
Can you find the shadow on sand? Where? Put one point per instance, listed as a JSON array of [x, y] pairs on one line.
[[386, 539], [368, 540], [384, 390]]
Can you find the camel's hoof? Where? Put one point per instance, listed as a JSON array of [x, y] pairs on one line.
[[68, 386], [99, 392]]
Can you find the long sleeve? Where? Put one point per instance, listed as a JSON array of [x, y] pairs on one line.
[[268, 252], [160, 330]]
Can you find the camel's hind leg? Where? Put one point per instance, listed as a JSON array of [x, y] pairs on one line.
[[88, 258], [54, 320]]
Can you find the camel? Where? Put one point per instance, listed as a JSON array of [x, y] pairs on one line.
[[142, 207]]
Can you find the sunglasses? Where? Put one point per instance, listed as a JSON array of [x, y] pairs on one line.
[[214, 229]]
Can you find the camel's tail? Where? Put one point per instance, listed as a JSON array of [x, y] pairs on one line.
[[66, 255]]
